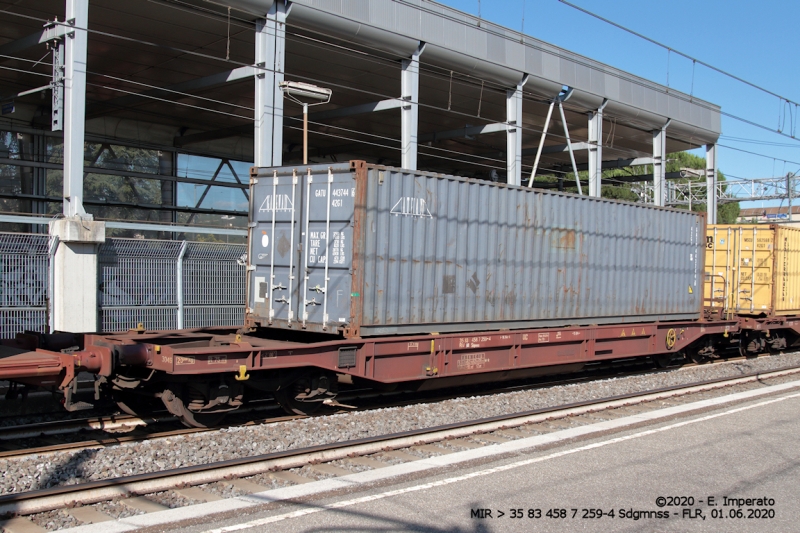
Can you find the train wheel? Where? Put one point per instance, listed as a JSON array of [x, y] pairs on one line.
[[663, 360], [287, 399], [177, 405], [305, 395], [202, 420], [133, 404]]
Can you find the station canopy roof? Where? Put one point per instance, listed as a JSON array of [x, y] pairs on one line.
[[157, 71]]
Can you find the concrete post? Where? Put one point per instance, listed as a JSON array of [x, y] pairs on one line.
[[711, 183], [409, 113], [74, 303], [270, 52]]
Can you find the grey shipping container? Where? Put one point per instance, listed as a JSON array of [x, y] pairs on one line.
[[364, 250]]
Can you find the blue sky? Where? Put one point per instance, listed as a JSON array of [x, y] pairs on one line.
[[755, 41]]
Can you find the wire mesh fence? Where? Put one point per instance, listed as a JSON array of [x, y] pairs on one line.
[[170, 284], [25, 262], [160, 284]]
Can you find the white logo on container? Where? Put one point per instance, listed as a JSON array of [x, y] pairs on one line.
[[411, 207], [279, 202]]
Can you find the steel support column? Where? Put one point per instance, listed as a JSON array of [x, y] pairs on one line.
[[270, 52], [596, 151], [711, 183], [409, 112], [75, 46], [660, 165], [514, 134]]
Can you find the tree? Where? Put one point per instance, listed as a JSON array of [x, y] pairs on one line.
[[726, 213]]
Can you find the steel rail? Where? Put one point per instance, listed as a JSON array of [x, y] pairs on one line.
[[102, 490]]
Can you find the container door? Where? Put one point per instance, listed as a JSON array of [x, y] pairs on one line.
[[327, 250], [787, 271], [275, 221], [756, 261]]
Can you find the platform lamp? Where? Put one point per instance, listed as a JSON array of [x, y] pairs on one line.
[[306, 95]]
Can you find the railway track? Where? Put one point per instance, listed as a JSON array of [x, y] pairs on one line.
[[99, 431], [102, 431], [371, 451]]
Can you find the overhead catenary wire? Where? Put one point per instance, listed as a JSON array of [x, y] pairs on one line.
[[757, 154], [678, 52]]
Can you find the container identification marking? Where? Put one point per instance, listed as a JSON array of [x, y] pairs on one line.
[[217, 359], [316, 249], [184, 360], [472, 342], [471, 361]]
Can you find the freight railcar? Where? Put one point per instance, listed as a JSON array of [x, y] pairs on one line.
[[392, 278]]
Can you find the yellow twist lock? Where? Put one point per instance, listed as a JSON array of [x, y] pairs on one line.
[[242, 375]]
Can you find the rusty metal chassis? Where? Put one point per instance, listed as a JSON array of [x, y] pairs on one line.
[[400, 359]]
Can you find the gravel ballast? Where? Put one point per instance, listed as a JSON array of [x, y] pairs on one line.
[[62, 468]]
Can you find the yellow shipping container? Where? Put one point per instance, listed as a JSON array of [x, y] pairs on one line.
[[787, 270], [753, 269]]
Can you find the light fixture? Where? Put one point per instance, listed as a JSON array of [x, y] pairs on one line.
[[300, 92]]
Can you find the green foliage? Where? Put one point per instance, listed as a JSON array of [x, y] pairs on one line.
[[616, 187], [726, 213]]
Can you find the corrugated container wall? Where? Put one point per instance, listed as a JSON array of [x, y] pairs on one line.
[[365, 250]]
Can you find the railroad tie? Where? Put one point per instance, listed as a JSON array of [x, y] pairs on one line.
[[488, 437], [20, 525], [366, 461], [89, 515], [465, 443], [198, 494], [432, 448], [514, 433], [555, 425], [291, 477], [331, 470], [140, 503], [403, 456], [246, 485]]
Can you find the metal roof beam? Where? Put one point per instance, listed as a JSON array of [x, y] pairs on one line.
[[620, 163], [205, 82], [468, 131], [214, 135], [361, 109]]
